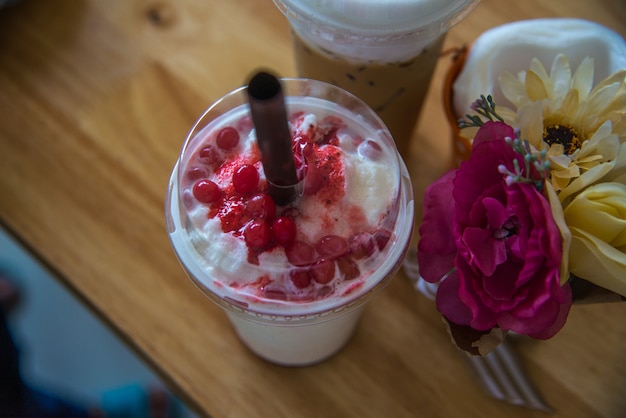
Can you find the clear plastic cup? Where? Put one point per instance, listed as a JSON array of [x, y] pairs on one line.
[[306, 326], [383, 51]]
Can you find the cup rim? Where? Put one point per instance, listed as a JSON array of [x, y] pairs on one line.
[[312, 309], [403, 21]]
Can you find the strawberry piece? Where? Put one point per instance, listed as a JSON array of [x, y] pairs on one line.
[[284, 231], [362, 245], [246, 179], [323, 271], [196, 173], [261, 206], [300, 278], [382, 237], [209, 156], [245, 124], [348, 268], [300, 253], [257, 234], [332, 246], [323, 291], [232, 214], [227, 138], [330, 137], [206, 191], [313, 180]]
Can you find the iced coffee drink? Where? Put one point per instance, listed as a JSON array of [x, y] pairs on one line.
[[384, 52], [395, 90], [292, 277]]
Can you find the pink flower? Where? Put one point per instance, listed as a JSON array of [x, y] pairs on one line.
[[494, 247]]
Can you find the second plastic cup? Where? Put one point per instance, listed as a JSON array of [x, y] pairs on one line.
[[384, 52], [292, 302]]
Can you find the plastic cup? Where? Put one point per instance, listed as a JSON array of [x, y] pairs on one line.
[[384, 52], [280, 328]]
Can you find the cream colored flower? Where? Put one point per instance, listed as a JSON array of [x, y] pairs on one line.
[[590, 163], [596, 218], [580, 126], [566, 234]]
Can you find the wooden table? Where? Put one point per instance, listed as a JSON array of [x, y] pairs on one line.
[[95, 100]]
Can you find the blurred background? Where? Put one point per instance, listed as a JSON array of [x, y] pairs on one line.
[[65, 349]]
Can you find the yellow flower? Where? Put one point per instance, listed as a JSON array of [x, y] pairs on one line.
[[596, 218], [580, 126]]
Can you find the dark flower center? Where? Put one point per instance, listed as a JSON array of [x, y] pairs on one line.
[[509, 228], [564, 135]]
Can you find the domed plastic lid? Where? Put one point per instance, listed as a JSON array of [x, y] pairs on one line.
[[378, 16], [344, 236]]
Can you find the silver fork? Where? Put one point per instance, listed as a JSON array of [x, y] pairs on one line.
[[499, 372]]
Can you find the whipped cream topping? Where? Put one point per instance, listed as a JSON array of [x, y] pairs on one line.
[[512, 46], [368, 174]]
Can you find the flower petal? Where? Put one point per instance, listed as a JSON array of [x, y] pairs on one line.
[[561, 77], [493, 131], [582, 82], [595, 106], [540, 319], [566, 235], [498, 289], [540, 71], [602, 143], [535, 87], [563, 309], [557, 155], [597, 220], [586, 179], [449, 303], [513, 89], [619, 169], [486, 252], [570, 104], [597, 262], [482, 317], [436, 248], [530, 121]]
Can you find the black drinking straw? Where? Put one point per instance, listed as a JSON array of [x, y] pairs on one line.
[[269, 116]]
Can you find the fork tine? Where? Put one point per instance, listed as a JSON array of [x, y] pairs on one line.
[[526, 389], [499, 372], [485, 376], [503, 378]]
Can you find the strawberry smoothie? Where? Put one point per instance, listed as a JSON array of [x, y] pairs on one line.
[[293, 279]]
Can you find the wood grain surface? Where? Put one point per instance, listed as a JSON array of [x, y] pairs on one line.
[[96, 98]]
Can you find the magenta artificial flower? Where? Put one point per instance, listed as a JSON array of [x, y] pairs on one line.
[[493, 245]]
